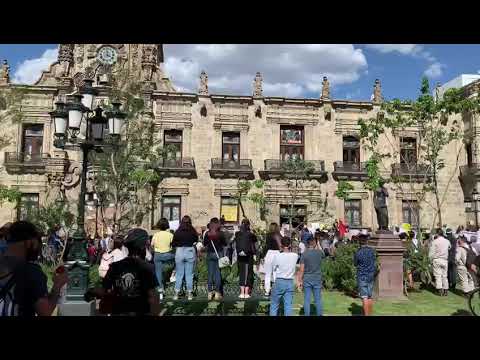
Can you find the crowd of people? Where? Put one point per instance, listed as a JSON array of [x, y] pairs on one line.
[[132, 267]]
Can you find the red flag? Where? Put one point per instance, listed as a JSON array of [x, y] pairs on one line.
[[342, 229]]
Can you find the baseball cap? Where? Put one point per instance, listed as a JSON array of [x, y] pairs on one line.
[[136, 237]]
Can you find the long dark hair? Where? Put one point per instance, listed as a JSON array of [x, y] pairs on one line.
[[186, 225], [245, 226]]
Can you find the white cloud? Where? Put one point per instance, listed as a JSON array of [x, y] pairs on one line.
[[435, 70], [287, 70], [404, 49], [29, 71]]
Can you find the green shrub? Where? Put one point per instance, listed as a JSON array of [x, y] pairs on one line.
[[339, 272]]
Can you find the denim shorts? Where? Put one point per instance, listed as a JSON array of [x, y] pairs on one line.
[[365, 289]]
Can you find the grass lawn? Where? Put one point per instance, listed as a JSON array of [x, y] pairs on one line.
[[418, 303]]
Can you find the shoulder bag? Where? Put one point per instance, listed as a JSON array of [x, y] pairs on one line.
[[222, 261]]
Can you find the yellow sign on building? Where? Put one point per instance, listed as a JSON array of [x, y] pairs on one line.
[[230, 212]]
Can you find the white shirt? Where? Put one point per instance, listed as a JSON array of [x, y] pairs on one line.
[[118, 255], [284, 265]]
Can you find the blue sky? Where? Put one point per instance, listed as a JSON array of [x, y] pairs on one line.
[[290, 70]]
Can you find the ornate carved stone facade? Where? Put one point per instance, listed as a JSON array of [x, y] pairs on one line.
[[208, 125]]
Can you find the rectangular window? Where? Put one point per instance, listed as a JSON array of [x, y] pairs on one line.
[[411, 212], [353, 213], [291, 142], [174, 139], [408, 151], [32, 142], [231, 146], [27, 204], [298, 214], [351, 150], [229, 209], [171, 206]]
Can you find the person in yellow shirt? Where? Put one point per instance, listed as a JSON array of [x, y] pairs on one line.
[[162, 247]]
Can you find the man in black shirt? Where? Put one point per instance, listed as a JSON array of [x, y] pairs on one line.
[[23, 285], [130, 284]]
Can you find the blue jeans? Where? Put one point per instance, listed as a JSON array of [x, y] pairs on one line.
[[184, 263], [283, 288], [214, 275], [160, 259], [310, 287]]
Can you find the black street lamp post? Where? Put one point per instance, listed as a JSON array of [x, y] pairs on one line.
[[68, 119]]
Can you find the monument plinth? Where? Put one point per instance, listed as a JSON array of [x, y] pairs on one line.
[[389, 281]]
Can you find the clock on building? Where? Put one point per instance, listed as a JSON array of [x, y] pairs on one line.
[[107, 55]]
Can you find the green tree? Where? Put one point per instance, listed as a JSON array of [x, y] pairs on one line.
[[126, 174], [297, 172], [433, 121], [11, 113]]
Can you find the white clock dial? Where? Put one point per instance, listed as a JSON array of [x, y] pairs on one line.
[[107, 55]]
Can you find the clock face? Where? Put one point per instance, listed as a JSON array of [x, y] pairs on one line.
[[107, 55]]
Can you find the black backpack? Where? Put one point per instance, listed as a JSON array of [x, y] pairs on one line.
[[243, 242], [8, 307]]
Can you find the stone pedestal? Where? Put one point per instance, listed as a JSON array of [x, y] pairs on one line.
[[389, 282], [77, 308]]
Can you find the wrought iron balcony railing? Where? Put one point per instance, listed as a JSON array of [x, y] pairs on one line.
[[416, 171], [182, 163], [223, 164], [349, 170], [275, 169], [182, 167], [222, 168], [21, 162]]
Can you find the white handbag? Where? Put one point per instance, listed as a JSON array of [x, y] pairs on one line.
[[222, 261]]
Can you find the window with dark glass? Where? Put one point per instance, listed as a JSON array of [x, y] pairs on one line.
[[353, 213], [27, 204], [408, 151], [32, 142], [171, 206], [173, 139], [229, 209], [351, 149], [231, 146], [298, 213], [411, 213], [291, 142]]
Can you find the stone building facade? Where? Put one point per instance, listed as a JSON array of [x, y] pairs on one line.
[[222, 138]]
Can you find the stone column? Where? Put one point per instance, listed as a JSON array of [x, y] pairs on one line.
[[389, 281]]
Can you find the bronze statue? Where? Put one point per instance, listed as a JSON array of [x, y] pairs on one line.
[[380, 203]]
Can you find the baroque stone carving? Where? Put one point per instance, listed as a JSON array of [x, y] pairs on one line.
[[257, 85], [203, 89], [149, 61], [65, 58], [377, 92], [325, 88], [5, 73], [72, 177]]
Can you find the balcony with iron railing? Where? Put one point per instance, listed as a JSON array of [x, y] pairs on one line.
[[232, 169], [278, 169], [25, 163], [176, 167], [349, 170], [413, 171]]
